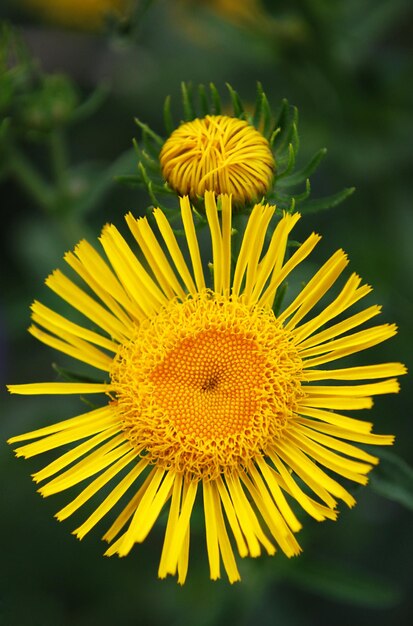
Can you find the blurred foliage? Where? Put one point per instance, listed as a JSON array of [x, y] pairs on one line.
[[65, 135]]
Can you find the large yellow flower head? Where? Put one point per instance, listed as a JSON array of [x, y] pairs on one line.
[[218, 153], [209, 394]]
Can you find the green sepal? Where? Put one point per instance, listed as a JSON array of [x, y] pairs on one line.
[[203, 100], [321, 204], [187, 102], [290, 163], [148, 132], [167, 116], [216, 100], [256, 118], [301, 175], [236, 102]]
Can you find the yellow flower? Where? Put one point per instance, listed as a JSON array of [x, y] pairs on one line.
[[82, 14], [209, 392], [221, 154]]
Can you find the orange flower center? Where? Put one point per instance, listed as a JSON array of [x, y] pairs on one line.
[[207, 385]]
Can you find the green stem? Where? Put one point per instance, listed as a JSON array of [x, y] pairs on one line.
[[31, 180], [59, 163]]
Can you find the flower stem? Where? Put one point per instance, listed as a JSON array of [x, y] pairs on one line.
[[21, 168]]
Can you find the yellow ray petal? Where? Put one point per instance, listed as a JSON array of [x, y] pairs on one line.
[[81, 301], [267, 297], [311, 474], [341, 421], [340, 328], [181, 528], [314, 290], [348, 296], [155, 256], [353, 470], [52, 321], [171, 525], [356, 341], [125, 515], [255, 250], [110, 501], [226, 215], [216, 238], [33, 389], [311, 431], [97, 272], [96, 461], [73, 455], [223, 539], [148, 509], [232, 518], [192, 241], [272, 517], [302, 498], [276, 494], [174, 250], [248, 519], [254, 231], [361, 372], [274, 257], [326, 402], [78, 349], [69, 435], [344, 433], [97, 284], [137, 282], [95, 486], [95, 416], [370, 389], [211, 532], [183, 557]]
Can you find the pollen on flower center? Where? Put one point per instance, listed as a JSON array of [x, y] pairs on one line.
[[218, 153], [207, 386]]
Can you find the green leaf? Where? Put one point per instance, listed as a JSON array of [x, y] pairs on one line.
[[187, 103], [281, 122], [321, 204], [290, 164], [306, 171], [393, 479], [167, 116], [129, 179], [267, 116], [288, 124], [236, 102], [148, 132], [216, 100], [148, 183], [338, 582]]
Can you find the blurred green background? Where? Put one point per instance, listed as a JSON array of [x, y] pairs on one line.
[[348, 67]]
